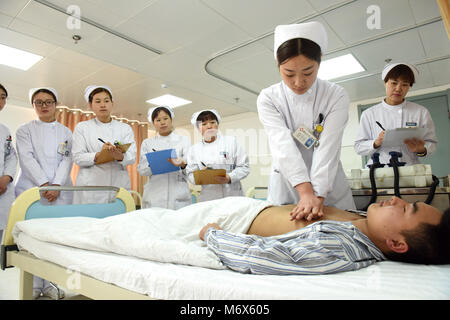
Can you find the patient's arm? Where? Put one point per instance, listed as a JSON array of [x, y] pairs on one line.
[[277, 220]]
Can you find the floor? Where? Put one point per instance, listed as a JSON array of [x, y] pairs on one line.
[[9, 287]]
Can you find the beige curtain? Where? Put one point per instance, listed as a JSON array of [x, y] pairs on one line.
[[70, 117]]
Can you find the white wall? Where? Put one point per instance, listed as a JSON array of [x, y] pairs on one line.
[[13, 116]]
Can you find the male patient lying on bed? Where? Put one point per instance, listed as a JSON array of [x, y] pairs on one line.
[[340, 241]]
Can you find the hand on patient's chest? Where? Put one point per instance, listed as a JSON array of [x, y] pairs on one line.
[[276, 220]]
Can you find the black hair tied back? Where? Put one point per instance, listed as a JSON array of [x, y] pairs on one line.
[[295, 47]]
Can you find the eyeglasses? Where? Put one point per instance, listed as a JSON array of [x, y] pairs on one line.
[[40, 103]]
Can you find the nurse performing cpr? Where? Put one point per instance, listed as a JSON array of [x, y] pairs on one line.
[[167, 190], [99, 136], [304, 118], [44, 149], [395, 112], [217, 151]]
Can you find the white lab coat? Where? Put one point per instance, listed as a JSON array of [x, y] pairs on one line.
[[407, 114], [224, 153], [44, 150], [281, 111], [169, 190], [114, 173], [8, 165]]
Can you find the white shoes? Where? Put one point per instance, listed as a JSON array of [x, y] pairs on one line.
[[50, 291]]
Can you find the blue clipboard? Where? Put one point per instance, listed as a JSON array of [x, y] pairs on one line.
[[158, 161]]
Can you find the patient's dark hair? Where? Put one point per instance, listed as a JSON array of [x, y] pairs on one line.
[[156, 112], [4, 89], [206, 115], [295, 47], [400, 71], [427, 243]]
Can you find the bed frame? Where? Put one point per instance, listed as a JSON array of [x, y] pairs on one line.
[[29, 265]]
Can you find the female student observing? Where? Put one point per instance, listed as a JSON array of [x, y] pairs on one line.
[[217, 151], [396, 112], [167, 190], [44, 149], [8, 164], [99, 137]]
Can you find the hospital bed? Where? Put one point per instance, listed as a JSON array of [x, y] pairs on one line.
[[104, 275]]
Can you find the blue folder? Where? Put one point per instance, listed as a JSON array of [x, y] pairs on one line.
[[158, 163]]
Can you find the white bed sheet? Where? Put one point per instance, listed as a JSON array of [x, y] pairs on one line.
[[384, 280]]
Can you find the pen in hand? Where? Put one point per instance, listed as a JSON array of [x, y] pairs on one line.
[[206, 167], [379, 124], [101, 140]]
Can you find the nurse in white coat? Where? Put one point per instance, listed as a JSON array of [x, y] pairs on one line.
[[309, 174], [217, 151], [44, 149], [8, 164], [169, 190], [87, 147], [396, 112]]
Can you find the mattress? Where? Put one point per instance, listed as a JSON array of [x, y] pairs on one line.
[[383, 280]]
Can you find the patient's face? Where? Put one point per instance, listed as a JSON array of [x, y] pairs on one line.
[[390, 217]]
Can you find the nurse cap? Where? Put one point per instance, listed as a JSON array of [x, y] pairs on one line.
[[313, 31], [389, 67], [151, 110], [33, 91], [89, 90], [195, 116]]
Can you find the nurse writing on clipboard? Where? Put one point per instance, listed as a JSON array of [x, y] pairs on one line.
[[307, 173], [396, 112]]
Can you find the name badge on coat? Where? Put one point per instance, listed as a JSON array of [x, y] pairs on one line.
[[8, 145], [411, 124], [305, 137], [63, 149]]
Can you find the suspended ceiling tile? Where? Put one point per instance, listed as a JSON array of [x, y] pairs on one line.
[[364, 88], [425, 78], [404, 46], [266, 14], [439, 71], [48, 24], [321, 5], [424, 10], [12, 7], [435, 40], [98, 13], [224, 37], [120, 52], [350, 22], [77, 60], [158, 25], [23, 42], [5, 20], [123, 8]]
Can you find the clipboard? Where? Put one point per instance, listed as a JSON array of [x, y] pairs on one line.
[[207, 176], [105, 156], [395, 138], [158, 163]]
